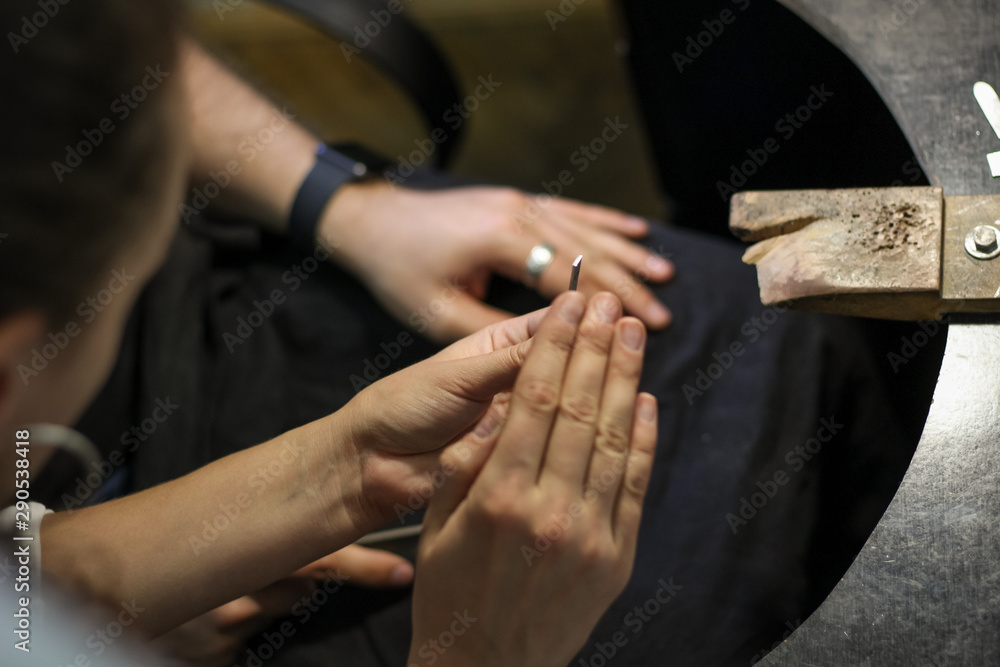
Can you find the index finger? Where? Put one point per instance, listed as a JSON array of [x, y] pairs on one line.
[[521, 444]]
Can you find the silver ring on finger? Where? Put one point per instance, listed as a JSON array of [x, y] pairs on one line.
[[539, 259]]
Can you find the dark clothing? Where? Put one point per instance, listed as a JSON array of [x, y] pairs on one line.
[[756, 407]]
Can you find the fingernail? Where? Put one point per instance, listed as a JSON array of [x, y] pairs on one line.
[[657, 264], [657, 314], [632, 335], [401, 575], [636, 222], [487, 425], [572, 308], [607, 309], [647, 408]]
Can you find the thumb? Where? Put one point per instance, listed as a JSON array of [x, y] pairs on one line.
[[362, 566], [465, 315]]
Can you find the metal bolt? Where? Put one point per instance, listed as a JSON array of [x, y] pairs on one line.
[[985, 238], [983, 242]]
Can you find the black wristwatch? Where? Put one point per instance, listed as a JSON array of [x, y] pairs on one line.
[[336, 165]]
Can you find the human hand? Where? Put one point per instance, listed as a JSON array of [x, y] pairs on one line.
[[399, 425], [518, 562], [427, 256], [216, 638]]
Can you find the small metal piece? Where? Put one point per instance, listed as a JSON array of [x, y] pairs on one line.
[[985, 238], [993, 159], [990, 104], [575, 276], [982, 242], [538, 260], [968, 284]]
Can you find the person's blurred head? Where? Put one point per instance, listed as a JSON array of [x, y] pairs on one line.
[[92, 163]]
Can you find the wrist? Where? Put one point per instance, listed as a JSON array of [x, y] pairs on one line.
[[388, 477], [372, 493], [335, 466], [335, 168], [346, 223]]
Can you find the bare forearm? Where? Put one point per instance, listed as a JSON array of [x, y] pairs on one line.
[[253, 154], [232, 527]]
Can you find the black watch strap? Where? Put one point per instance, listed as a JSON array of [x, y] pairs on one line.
[[331, 171]]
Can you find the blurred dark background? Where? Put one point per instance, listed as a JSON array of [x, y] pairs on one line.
[[716, 82]]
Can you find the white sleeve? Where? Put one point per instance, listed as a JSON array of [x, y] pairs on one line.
[[26, 534]]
